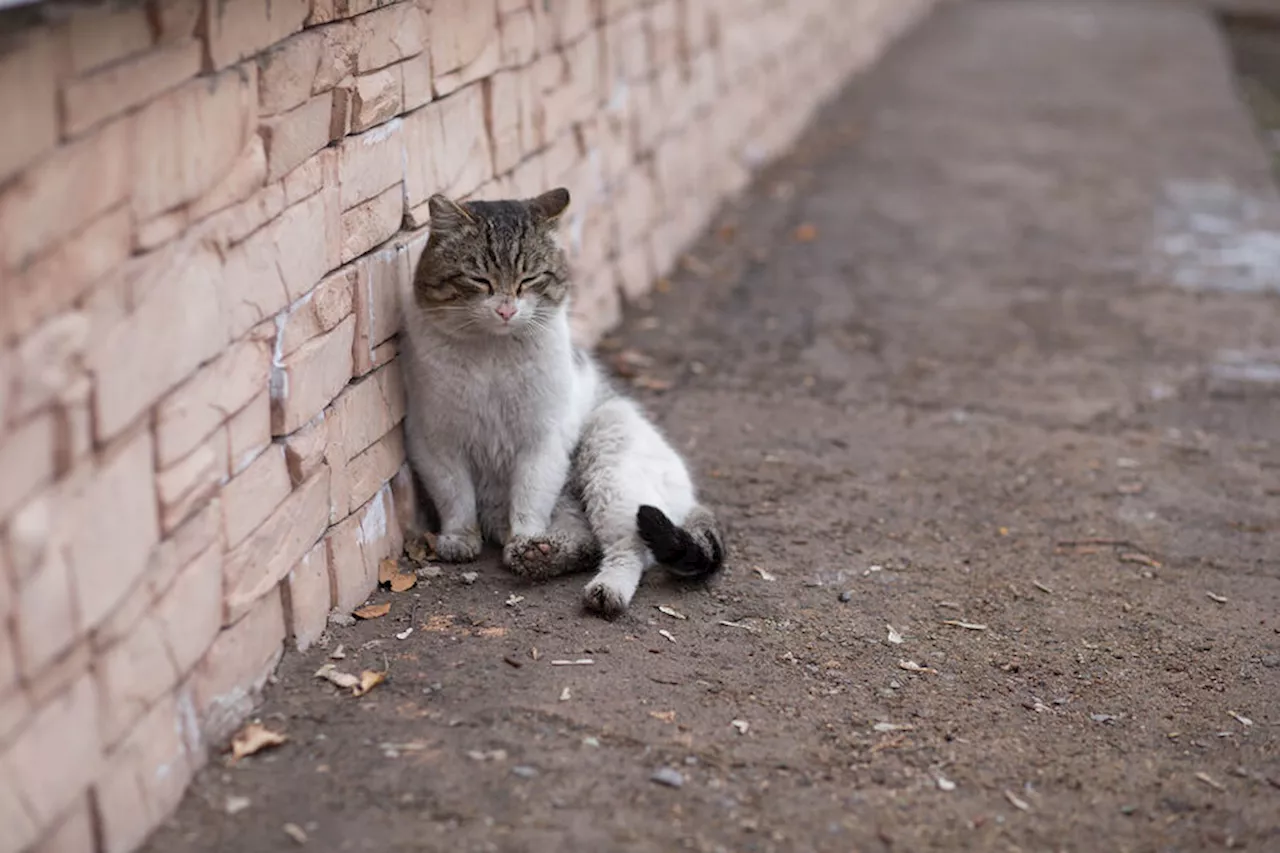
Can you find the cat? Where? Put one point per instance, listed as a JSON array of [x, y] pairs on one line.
[[518, 437]]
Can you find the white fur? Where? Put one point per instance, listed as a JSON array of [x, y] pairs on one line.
[[493, 421]]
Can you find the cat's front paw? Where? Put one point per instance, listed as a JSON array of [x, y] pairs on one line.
[[604, 599], [532, 557], [458, 547]]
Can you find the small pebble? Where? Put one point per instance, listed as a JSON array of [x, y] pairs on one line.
[[668, 776], [524, 771], [846, 596]]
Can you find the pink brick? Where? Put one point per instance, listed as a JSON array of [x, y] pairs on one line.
[[601, 310], [73, 439], [248, 433], [131, 676], [174, 20], [357, 544], [370, 223], [519, 37], [308, 379], [236, 666], [188, 484], [190, 613], [201, 532], [305, 449], [186, 141], [175, 328], [633, 270], [28, 72], [374, 98], [234, 225], [240, 28], [45, 619], [418, 89], [255, 567], [56, 757], [460, 31], [287, 70], [73, 834], [309, 597], [250, 498], [572, 19], [114, 513], [294, 136], [243, 179], [200, 405], [65, 191], [370, 163], [90, 100], [103, 34], [308, 179], [447, 146], [505, 95], [380, 276], [627, 49], [27, 459], [367, 472], [146, 776], [317, 312], [390, 34], [306, 234], [21, 829]]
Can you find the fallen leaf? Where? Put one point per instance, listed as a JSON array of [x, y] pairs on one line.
[[403, 582], [894, 636], [1016, 801], [668, 635], [389, 573], [674, 614], [295, 832], [893, 727], [912, 666], [972, 626], [764, 574], [254, 738], [1140, 559], [664, 716], [1210, 781], [493, 631], [439, 623], [369, 679], [806, 233], [331, 673], [372, 611], [388, 569]]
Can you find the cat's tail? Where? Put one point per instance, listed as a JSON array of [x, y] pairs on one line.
[[693, 551]]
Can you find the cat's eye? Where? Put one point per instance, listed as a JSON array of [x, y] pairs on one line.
[[527, 281], [481, 282]]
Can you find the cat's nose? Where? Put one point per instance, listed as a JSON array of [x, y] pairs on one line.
[[506, 310]]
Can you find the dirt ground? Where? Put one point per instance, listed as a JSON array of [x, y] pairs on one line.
[[992, 358]]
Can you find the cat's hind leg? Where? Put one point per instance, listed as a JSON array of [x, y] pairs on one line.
[[568, 546], [623, 564]]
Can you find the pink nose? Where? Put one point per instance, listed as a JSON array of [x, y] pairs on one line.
[[506, 310]]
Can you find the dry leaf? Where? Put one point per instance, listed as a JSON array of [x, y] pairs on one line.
[[764, 574], [295, 832], [494, 631], [668, 635], [1210, 781], [664, 716], [806, 233], [368, 680], [254, 738], [439, 623], [372, 611], [389, 573], [1140, 559], [971, 626], [403, 582], [673, 613], [1241, 719], [1016, 801], [894, 636], [331, 673], [388, 569]]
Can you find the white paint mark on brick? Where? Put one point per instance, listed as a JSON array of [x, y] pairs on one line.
[[381, 132], [373, 526], [1212, 236]]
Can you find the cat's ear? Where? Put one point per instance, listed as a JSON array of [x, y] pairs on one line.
[[547, 207], [447, 214]]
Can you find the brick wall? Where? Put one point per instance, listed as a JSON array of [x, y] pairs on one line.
[[205, 211]]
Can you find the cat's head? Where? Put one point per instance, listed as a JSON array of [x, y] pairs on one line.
[[493, 267]]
